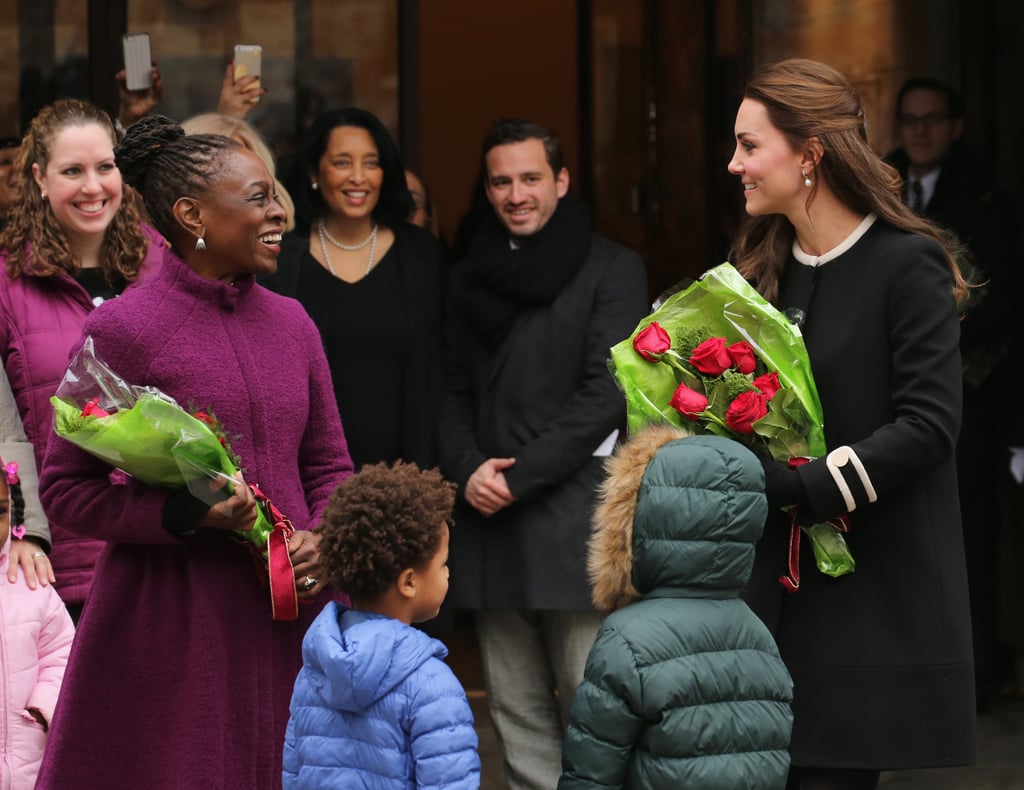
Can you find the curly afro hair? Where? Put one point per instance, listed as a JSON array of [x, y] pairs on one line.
[[381, 521]]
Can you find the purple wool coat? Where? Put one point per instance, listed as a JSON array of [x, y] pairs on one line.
[[178, 677]]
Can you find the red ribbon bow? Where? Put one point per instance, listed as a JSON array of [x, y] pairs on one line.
[[284, 599], [791, 579]]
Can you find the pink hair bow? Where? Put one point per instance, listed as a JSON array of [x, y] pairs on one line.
[[11, 470]]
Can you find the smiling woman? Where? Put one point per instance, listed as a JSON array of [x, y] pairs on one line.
[[70, 243], [355, 260], [828, 235], [202, 331]]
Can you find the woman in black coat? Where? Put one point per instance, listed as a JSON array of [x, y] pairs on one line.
[[880, 658]]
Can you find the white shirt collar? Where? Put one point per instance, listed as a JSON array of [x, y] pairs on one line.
[[927, 183]]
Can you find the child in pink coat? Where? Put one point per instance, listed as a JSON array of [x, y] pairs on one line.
[[35, 640]]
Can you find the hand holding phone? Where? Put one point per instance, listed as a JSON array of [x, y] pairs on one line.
[[248, 63]]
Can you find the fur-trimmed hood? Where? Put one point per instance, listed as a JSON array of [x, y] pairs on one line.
[[675, 511]]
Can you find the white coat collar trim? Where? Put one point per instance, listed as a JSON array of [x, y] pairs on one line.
[[835, 252]]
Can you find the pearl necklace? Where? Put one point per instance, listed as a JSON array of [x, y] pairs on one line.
[[325, 237]]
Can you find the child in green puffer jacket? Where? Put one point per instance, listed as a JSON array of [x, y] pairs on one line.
[[684, 687]]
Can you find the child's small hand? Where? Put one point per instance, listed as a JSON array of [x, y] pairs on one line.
[[304, 549]]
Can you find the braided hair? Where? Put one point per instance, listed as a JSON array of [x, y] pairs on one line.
[[164, 164], [17, 509]]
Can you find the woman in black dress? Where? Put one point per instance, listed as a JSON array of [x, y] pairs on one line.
[[372, 283]]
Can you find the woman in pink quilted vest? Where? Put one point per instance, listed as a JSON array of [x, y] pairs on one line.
[[72, 241]]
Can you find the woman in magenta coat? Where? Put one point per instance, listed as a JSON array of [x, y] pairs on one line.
[[178, 676]]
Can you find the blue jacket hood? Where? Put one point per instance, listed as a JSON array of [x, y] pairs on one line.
[[363, 656]]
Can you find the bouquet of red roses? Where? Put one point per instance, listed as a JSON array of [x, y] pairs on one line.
[[144, 432], [718, 358]]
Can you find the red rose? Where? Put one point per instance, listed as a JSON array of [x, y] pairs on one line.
[[711, 357], [688, 402], [92, 409], [768, 384], [742, 356], [652, 341], [205, 418], [745, 410]]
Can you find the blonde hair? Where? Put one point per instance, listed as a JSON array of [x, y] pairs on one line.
[[241, 130]]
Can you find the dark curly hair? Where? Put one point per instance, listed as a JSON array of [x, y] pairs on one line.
[[381, 521], [163, 164]]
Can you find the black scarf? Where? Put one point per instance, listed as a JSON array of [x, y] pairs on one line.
[[503, 281]]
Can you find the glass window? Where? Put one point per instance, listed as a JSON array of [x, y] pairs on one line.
[[43, 56], [317, 54]]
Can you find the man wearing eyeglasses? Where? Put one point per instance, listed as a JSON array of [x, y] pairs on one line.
[[944, 183], [9, 147], [929, 121]]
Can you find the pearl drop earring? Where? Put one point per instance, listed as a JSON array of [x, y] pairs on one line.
[[807, 179]]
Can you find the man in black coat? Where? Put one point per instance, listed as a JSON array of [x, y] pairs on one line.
[[531, 410], [945, 184]]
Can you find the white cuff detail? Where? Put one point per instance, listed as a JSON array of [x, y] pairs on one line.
[[835, 461]]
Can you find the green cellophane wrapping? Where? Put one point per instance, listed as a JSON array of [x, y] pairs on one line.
[[726, 304], [156, 442]]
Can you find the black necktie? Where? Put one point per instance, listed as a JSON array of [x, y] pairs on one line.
[[916, 195]]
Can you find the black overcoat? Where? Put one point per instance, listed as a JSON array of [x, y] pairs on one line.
[[881, 659], [545, 396]]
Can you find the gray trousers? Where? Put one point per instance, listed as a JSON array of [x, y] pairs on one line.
[[533, 660]]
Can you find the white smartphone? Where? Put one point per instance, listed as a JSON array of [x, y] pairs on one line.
[[248, 61], [138, 61]]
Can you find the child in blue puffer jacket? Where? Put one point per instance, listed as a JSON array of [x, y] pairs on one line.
[[374, 704]]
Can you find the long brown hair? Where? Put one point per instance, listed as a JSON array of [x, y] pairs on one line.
[[32, 222], [805, 99]]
